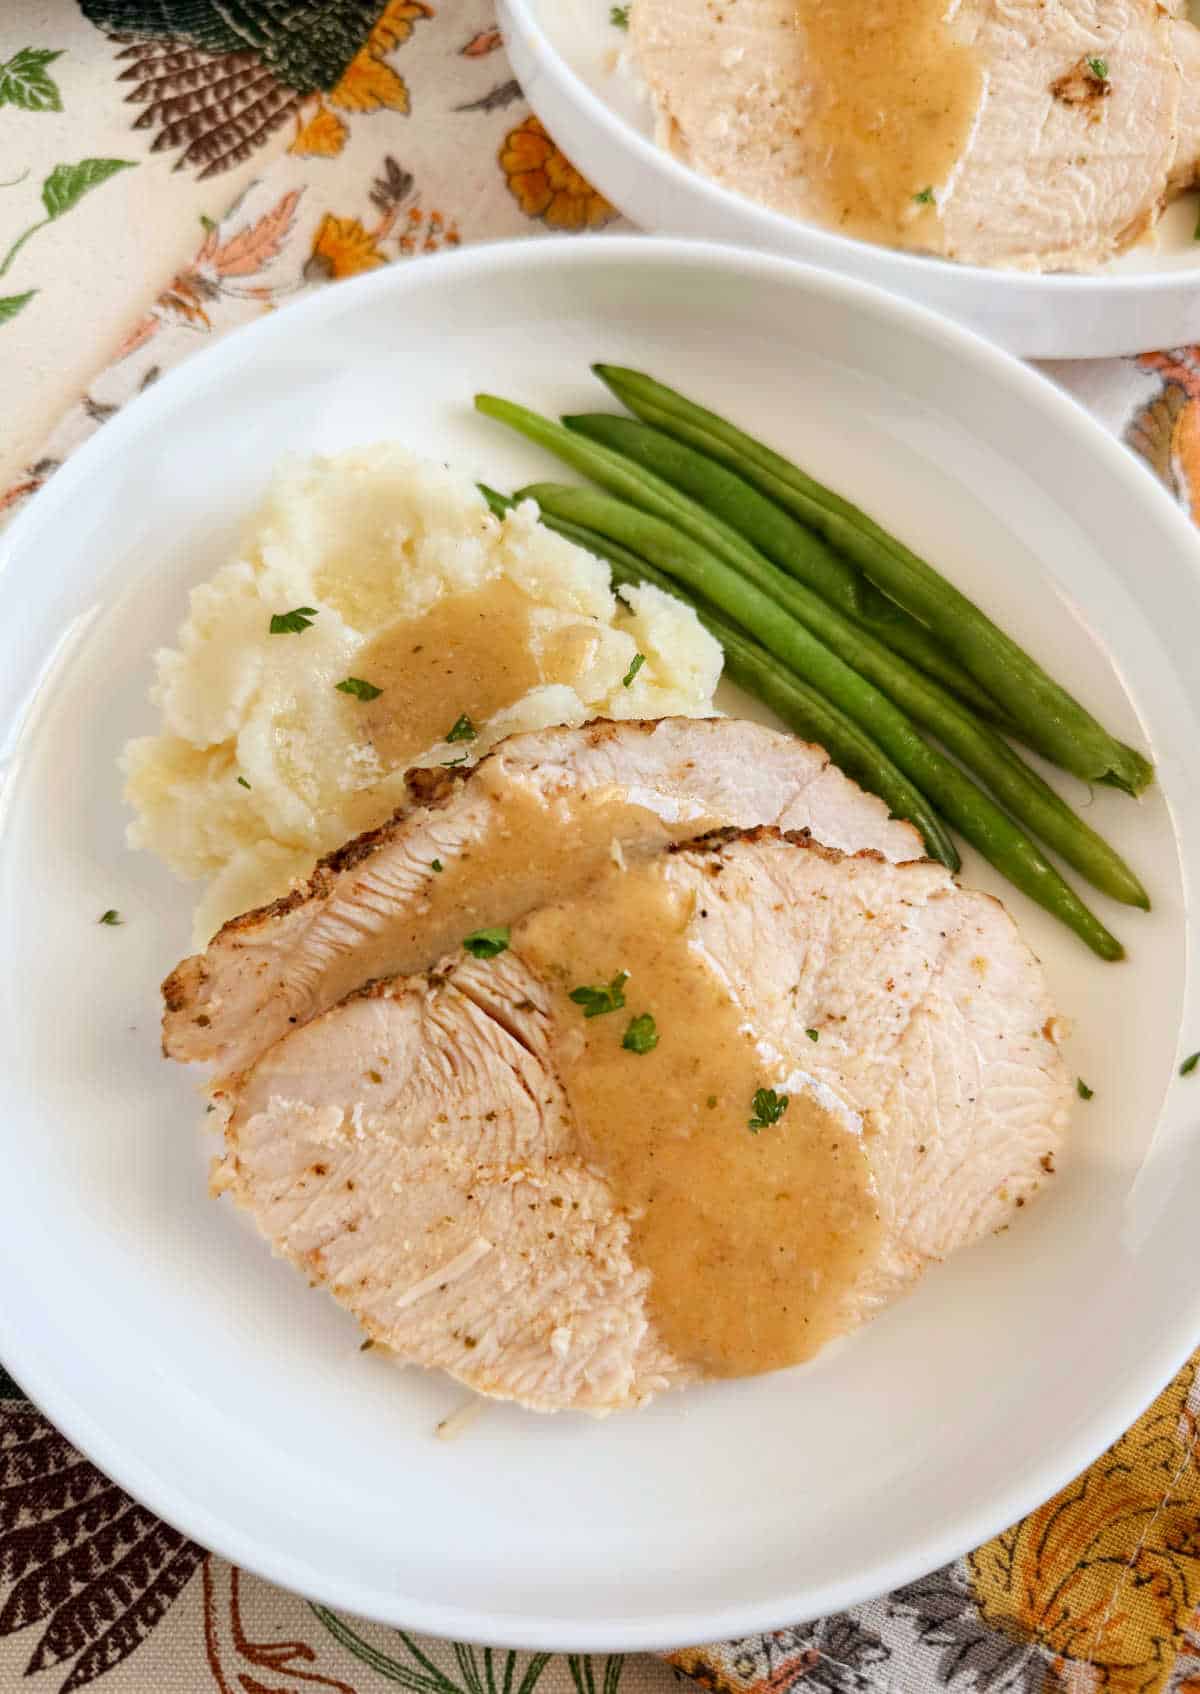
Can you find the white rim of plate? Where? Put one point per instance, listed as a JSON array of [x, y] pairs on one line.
[[842, 253], [1162, 1356]]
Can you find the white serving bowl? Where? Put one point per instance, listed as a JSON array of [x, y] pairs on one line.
[[564, 53], [154, 1327]]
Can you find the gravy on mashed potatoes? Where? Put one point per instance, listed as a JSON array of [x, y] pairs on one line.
[[262, 763]]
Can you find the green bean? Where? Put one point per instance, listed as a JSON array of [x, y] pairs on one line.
[[904, 635], [498, 504], [1031, 798], [760, 674], [750, 514], [782, 539], [1032, 802], [809, 560], [654, 494], [614, 472], [1051, 719], [962, 802], [800, 707], [1116, 878]]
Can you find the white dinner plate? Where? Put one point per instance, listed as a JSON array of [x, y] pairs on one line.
[[155, 1328], [566, 54]]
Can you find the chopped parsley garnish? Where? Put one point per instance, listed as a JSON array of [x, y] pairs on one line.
[[1082, 1089], [1099, 69], [361, 690], [597, 1001], [436, 866], [639, 659], [618, 16], [768, 1108], [242, 783], [293, 623], [112, 917], [487, 943], [449, 764], [464, 730], [813, 1034], [1189, 1065], [925, 197], [711, 1101], [641, 1036]]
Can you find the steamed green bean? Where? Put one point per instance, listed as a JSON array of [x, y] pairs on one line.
[[1050, 719]]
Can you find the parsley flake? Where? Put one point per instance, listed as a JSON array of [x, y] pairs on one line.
[[1082, 1089], [487, 943], [597, 1001], [925, 197], [768, 1108], [1099, 69], [618, 17], [711, 1101], [464, 730], [242, 783], [641, 1036], [293, 623], [437, 866], [112, 917], [639, 659], [449, 764], [361, 690], [1189, 1065], [813, 1034]]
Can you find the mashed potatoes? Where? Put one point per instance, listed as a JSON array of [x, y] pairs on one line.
[[263, 763]]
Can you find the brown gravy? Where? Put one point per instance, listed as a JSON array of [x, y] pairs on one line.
[[470, 654], [528, 845], [895, 95], [753, 1239]]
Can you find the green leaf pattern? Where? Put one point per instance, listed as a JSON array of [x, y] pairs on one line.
[[67, 184], [26, 84], [487, 1670], [63, 188], [24, 81], [11, 304]]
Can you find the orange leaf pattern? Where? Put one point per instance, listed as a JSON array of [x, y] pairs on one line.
[[1105, 1577], [322, 136], [250, 249], [369, 83], [487, 41], [342, 247], [1166, 430], [546, 185]]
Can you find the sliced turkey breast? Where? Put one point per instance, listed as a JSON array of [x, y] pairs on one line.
[[1185, 44], [486, 845], [1039, 134], [787, 1082]]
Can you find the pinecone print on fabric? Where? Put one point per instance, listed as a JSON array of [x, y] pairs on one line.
[[217, 77], [81, 1564]]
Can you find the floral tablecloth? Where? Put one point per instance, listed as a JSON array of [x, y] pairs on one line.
[[171, 168]]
